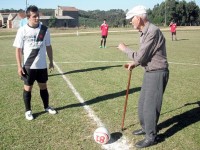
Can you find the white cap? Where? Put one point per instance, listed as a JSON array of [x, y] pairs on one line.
[[137, 10]]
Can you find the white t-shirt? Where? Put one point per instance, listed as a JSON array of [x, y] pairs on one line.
[[26, 40]]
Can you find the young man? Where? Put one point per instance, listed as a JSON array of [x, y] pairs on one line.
[[172, 26], [153, 58], [104, 33], [34, 38]]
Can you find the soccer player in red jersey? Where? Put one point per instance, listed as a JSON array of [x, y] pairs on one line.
[[173, 30], [104, 33]]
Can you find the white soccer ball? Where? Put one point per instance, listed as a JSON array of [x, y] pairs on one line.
[[101, 135]]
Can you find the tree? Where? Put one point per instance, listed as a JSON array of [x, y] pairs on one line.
[[192, 13], [157, 14], [181, 13], [52, 21]]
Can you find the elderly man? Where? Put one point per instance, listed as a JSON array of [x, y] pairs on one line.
[[153, 58]]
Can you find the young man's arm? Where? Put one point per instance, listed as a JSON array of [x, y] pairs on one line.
[[49, 50], [50, 55], [19, 60]]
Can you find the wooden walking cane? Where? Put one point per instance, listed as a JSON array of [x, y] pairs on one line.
[[126, 100]]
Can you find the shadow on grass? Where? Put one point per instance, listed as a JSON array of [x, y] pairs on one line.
[[182, 39], [114, 137], [101, 98], [94, 100], [85, 70], [180, 121], [35, 115]]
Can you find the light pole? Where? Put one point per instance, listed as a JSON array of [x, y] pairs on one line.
[[26, 4], [165, 14]]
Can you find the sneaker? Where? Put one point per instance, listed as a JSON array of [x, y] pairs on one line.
[[100, 46], [29, 115], [50, 110], [104, 47]]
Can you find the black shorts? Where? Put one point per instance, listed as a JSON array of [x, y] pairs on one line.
[[40, 75], [173, 33], [104, 36]]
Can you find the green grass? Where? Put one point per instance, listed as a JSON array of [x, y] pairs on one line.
[[102, 85]]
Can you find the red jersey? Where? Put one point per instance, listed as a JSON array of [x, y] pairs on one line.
[[104, 29], [173, 27]]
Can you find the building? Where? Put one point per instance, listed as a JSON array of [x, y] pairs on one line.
[[14, 20], [11, 20], [3, 19], [69, 16], [64, 17]]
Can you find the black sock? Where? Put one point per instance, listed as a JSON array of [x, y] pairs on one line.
[[45, 97], [101, 42], [105, 43], [27, 99]]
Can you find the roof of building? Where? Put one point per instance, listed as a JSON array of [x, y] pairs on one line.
[[67, 8], [45, 17], [58, 17], [5, 15], [64, 17], [13, 14], [22, 14]]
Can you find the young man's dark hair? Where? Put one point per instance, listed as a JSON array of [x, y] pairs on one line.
[[31, 8]]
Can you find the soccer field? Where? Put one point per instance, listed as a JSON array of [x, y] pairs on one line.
[[88, 88]]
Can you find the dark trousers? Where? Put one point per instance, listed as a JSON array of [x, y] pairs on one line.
[[150, 101]]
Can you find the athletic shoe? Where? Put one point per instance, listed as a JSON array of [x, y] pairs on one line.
[[50, 110], [104, 47], [29, 115], [100, 46]]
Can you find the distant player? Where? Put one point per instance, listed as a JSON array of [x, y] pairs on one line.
[[104, 33], [172, 26], [23, 22]]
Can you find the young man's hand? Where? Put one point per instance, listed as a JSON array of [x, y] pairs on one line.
[[20, 71], [51, 67]]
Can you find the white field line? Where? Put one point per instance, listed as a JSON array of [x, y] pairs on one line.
[[176, 63], [77, 32], [89, 32], [5, 65], [68, 62], [112, 31], [122, 143], [91, 61], [75, 62]]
